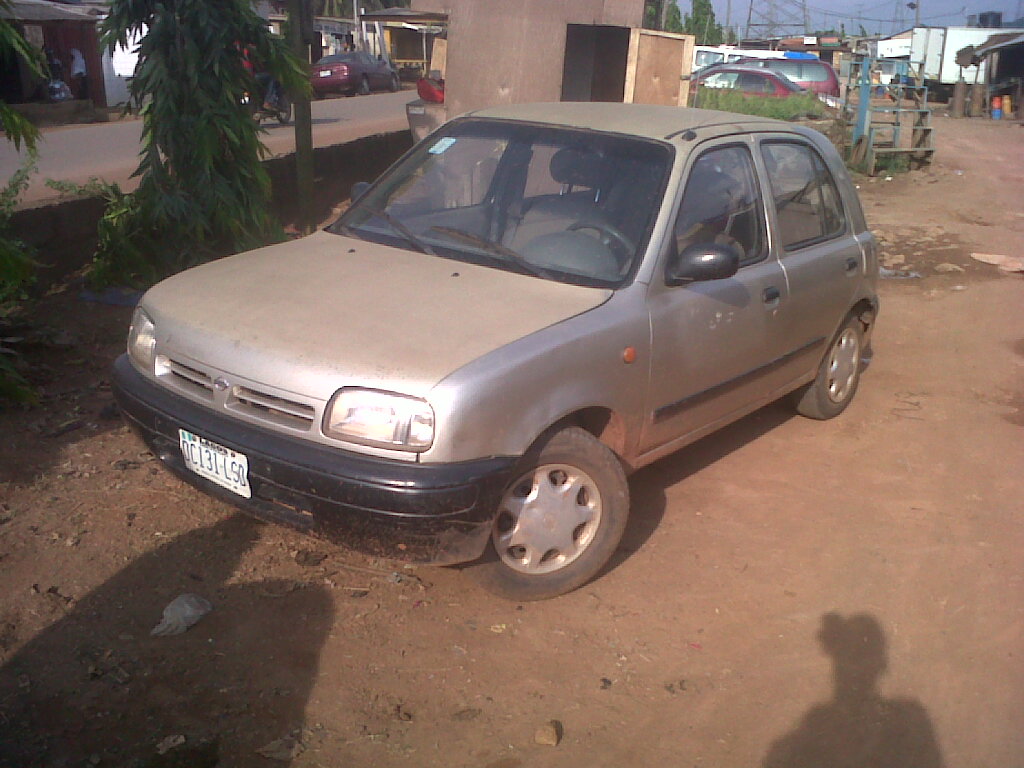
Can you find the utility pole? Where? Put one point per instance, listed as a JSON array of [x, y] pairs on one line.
[[300, 23]]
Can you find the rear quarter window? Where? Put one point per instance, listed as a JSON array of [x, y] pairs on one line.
[[813, 72]]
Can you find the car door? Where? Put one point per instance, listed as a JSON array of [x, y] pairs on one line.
[[815, 244], [714, 343], [755, 83]]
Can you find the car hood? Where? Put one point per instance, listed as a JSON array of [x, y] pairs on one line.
[[327, 311]]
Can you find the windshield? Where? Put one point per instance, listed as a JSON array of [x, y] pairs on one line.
[[560, 204]]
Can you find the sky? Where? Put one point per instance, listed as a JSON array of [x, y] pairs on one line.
[[885, 17]]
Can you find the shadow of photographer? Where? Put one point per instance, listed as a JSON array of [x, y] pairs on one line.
[[859, 726]]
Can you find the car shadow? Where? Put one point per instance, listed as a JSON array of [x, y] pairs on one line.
[[858, 726], [95, 688], [647, 486]]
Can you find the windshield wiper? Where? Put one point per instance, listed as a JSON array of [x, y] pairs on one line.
[[494, 248], [403, 230]]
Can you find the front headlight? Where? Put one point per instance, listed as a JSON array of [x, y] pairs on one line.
[[383, 419], [142, 340]]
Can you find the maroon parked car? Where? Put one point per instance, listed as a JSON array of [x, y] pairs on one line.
[[813, 74], [351, 73], [750, 80]]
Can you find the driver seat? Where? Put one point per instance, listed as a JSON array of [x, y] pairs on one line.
[[580, 172]]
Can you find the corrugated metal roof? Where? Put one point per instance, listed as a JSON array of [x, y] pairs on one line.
[[996, 42], [43, 10]]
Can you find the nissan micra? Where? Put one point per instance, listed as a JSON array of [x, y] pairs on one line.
[[532, 303]]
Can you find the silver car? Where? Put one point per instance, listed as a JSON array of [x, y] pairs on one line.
[[532, 303]]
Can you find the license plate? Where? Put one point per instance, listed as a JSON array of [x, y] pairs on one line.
[[213, 461], [325, 73]]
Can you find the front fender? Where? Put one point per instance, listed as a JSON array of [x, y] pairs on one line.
[[500, 403]]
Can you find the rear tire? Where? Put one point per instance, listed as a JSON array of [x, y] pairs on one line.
[[559, 521], [838, 375]]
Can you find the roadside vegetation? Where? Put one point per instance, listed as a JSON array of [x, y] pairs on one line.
[[202, 190], [788, 108], [17, 265]]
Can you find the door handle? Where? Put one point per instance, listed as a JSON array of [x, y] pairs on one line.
[[851, 265], [770, 295]]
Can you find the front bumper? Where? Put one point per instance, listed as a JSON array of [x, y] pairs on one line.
[[423, 513]]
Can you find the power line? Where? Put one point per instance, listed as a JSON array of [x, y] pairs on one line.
[[854, 17]]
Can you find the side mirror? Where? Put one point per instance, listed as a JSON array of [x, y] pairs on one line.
[[703, 261], [359, 189]]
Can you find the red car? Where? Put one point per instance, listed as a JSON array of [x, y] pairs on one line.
[[813, 74], [756, 82], [351, 73]]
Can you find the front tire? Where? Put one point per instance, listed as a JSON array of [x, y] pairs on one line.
[[284, 112], [559, 521], [838, 375]]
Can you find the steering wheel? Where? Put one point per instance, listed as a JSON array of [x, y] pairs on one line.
[[609, 235]]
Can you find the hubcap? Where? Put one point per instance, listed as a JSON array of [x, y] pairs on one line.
[[842, 366], [547, 519]]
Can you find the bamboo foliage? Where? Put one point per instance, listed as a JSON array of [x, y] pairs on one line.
[[202, 190], [13, 45]]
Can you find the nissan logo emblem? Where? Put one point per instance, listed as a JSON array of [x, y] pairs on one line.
[[220, 384]]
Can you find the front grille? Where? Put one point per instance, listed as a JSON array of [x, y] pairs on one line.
[[279, 410], [190, 379]]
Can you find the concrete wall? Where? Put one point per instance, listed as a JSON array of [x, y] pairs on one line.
[[505, 52]]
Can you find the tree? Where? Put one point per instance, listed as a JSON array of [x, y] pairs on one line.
[[13, 45], [202, 190], [673, 19], [700, 23]]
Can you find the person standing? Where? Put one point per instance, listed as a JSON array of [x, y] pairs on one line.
[[79, 83]]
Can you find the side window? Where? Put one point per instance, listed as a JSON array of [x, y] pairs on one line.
[[751, 82], [721, 205], [807, 203], [720, 80]]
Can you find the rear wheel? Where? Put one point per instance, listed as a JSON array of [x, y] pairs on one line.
[[559, 521], [838, 376]]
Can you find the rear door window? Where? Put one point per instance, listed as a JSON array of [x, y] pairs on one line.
[[752, 82], [807, 203]]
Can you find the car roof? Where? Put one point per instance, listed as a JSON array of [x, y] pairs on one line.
[[647, 120]]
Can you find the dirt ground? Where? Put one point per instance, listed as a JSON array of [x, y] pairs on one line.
[[789, 592]]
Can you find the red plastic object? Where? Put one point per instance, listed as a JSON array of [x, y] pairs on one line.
[[430, 90]]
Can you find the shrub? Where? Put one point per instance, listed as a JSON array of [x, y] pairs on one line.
[[787, 108]]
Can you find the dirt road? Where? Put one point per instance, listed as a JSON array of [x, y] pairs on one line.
[[789, 593]]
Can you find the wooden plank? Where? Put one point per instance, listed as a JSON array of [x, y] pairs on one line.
[[631, 60], [659, 62]]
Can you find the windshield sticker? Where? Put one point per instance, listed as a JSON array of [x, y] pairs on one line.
[[442, 145]]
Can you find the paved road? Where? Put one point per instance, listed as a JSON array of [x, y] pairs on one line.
[[110, 150]]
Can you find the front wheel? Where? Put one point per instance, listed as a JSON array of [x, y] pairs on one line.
[[838, 376], [559, 522], [284, 110]]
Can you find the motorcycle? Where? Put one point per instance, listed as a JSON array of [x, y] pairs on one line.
[[262, 105]]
